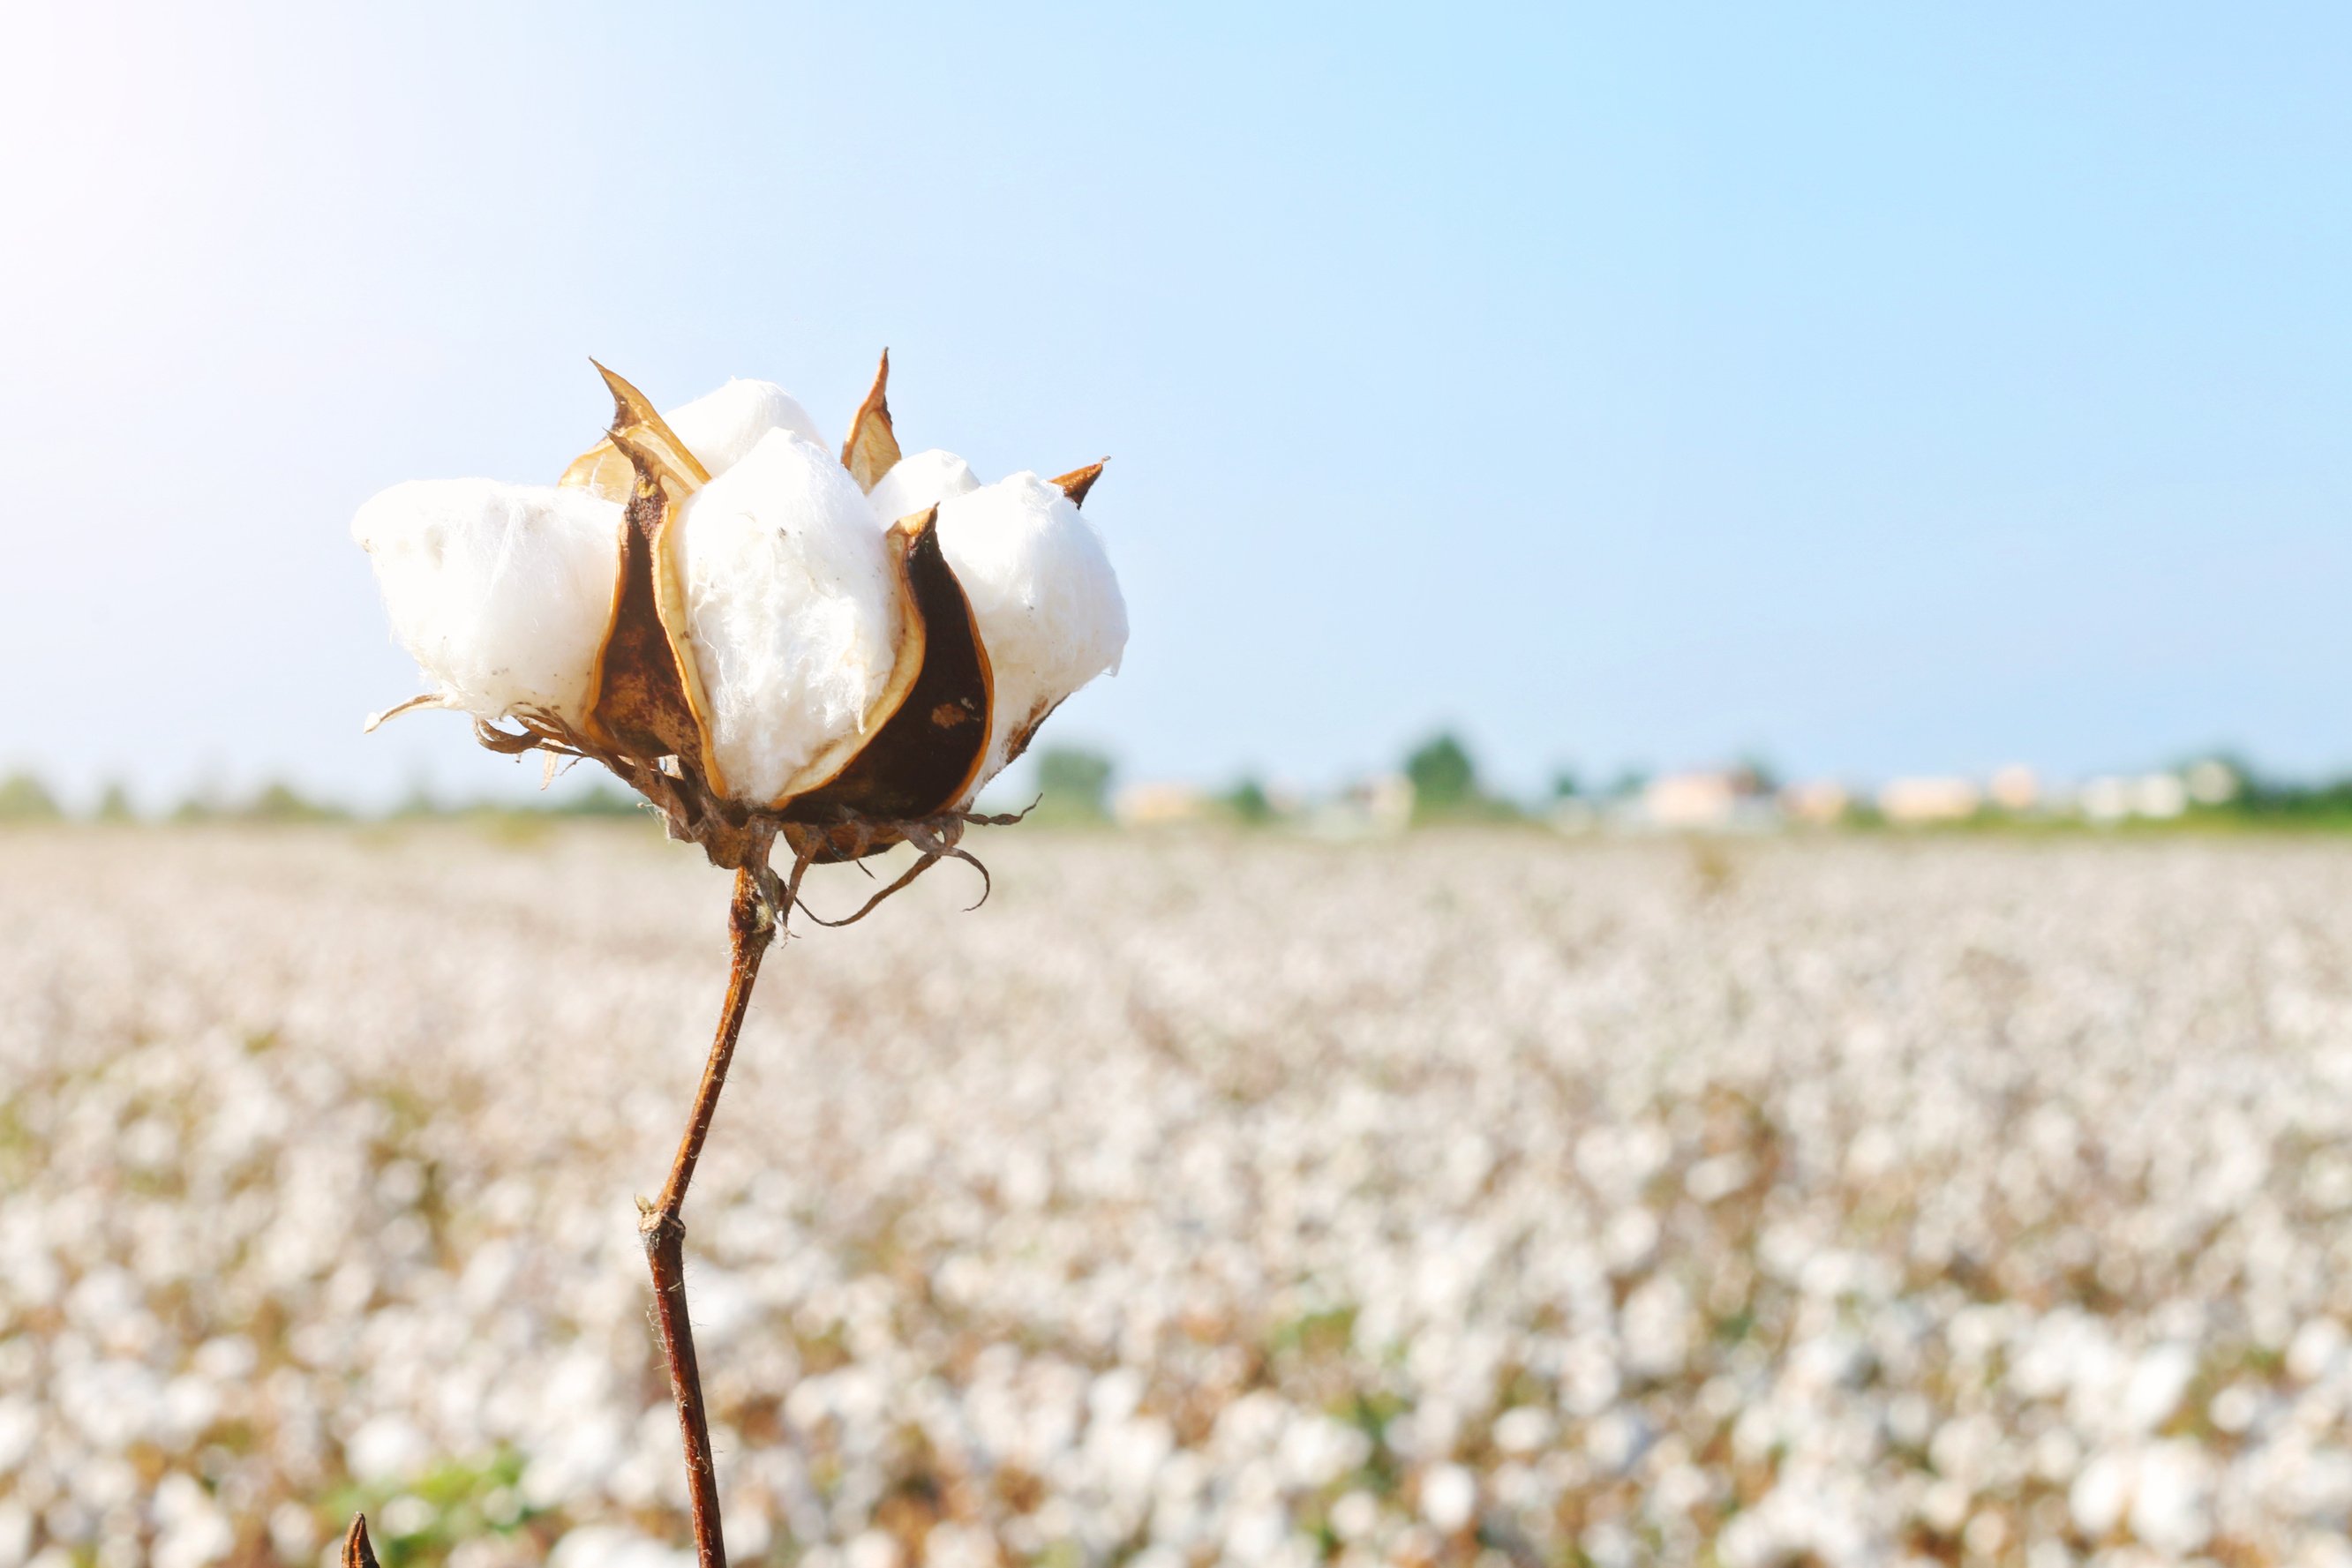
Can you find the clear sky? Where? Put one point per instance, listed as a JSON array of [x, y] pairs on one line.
[[1886, 389]]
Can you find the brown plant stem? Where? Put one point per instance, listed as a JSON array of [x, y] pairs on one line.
[[752, 921]]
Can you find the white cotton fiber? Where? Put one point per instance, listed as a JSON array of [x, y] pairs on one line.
[[919, 482], [501, 593], [721, 427], [1043, 593], [792, 608]]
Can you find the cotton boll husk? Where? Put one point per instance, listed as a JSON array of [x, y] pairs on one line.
[[919, 482], [792, 611], [1042, 593], [501, 593], [723, 426]]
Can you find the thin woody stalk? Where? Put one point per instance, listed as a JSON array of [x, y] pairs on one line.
[[598, 654], [753, 919], [750, 927]]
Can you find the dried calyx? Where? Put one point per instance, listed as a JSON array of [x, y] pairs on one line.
[[763, 641]]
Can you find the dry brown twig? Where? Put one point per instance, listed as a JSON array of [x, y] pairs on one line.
[[756, 916], [751, 925]]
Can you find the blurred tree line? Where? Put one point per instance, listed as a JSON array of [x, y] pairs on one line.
[[1074, 788]]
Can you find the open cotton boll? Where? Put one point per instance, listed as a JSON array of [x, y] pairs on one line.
[[720, 427], [501, 593], [1043, 595], [792, 607], [918, 484]]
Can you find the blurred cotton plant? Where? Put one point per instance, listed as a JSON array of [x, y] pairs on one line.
[[766, 642]]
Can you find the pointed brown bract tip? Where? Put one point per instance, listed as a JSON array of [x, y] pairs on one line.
[[358, 1550], [643, 437], [872, 448], [1078, 481], [630, 406]]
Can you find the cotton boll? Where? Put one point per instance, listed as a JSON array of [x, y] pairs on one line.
[[1043, 595], [501, 593], [721, 427], [792, 611], [919, 482]]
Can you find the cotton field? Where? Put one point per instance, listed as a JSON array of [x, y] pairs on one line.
[[1483, 1198]]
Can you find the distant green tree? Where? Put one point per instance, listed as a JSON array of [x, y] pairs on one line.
[[418, 800], [1073, 785], [114, 804], [25, 798], [2321, 802], [1445, 785], [1444, 777], [1248, 803], [1628, 782], [1566, 785], [278, 802], [601, 800], [1761, 775]]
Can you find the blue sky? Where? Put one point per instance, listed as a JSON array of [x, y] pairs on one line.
[[1884, 390]]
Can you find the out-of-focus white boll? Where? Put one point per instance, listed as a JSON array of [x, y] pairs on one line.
[[792, 607], [722, 427], [919, 482], [501, 593], [1042, 593]]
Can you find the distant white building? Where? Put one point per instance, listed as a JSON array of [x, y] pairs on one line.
[[1712, 800], [1158, 805], [2160, 795], [1377, 807], [1820, 802], [1920, 803], [2212, 783], [2016, 787], [2107, 798], [2114, 798]]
